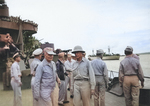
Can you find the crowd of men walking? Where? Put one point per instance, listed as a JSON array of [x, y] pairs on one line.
[[83, 78]]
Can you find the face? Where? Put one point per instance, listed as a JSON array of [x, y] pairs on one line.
[[48, 57], [78, 55], [40, 56], [69, 58], [18, 59]]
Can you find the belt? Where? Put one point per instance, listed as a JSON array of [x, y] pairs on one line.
[[99, 75], [131, 75], [81, 79]]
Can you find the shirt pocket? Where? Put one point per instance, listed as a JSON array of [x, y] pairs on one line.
[[47, 72], [83, 70]]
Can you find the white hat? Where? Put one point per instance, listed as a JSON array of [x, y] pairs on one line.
[[100, 51], [129, 49], [78, 49], [16, 54], [49, 50], [37, 52]]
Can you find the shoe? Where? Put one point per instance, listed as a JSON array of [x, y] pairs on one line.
[[60, 102], [68, 89], [66, 101], [71, 96]]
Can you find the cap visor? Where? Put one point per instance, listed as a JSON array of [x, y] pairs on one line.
[[51, 53], [78, 51]]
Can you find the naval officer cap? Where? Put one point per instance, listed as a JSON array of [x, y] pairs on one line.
[[49, 50], [37, 52], [78, 49], [16, 55], [129, 49], [100, 51]]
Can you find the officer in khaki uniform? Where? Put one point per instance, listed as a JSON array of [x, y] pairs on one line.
[[101, 77], [82, 79], [130, 72]]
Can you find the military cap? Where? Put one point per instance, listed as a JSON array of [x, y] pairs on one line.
[[129, 49], [37, 52]]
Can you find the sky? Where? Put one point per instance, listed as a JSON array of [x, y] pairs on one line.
[[92, 24]]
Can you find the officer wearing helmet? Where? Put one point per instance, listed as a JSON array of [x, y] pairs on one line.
[[82, 78]]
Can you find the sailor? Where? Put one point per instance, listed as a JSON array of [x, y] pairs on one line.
[[68, 66], [16, 80], [36, 61], [82, 79], [61, 71], [101, 77], [45, 79], [130, 72]]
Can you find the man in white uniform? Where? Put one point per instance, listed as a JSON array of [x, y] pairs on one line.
[[16, 80], [45, 79], [36, 61]]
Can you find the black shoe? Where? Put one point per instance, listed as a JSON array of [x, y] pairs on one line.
[[71, 96], [68, 89], [65, 101]]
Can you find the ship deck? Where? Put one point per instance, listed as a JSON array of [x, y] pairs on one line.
[[6, 98]]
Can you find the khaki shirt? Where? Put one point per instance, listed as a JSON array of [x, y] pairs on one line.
[[130, 66], [83, 70]]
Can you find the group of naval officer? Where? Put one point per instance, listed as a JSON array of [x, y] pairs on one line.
[[85, 78]]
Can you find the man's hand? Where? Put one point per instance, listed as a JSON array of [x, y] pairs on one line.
[[36, 99], [92, 91], [142, 84], [20, 83], [6, 47]]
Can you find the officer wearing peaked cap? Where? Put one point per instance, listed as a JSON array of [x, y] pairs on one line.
[[45, 79], [36, 61], [16, 80], [101, 77], [130, 72], [82, 78]]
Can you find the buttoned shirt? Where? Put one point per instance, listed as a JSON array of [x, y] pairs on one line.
[[83, 70], [34, 65], [69, 65], [15, 71], [100, 68], [130, 66], [45, 79]]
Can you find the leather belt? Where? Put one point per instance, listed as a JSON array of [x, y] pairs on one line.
[[81, 79]]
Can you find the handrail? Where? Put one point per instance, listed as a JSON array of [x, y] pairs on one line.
[[118, 72]]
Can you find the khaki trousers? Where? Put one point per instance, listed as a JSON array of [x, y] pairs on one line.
[[99, 96], [17, 93], [54, 96], [131, 90], [35, 103], [81, 92], [42, 102]]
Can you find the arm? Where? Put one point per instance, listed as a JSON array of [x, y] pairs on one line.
[[121, 75], [91, 76], [37, 82], [141, 75], [106, 75]]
